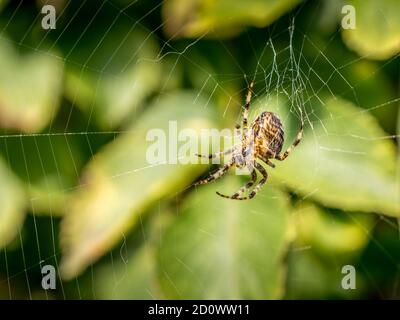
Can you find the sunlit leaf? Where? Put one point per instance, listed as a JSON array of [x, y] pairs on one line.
[[13, 205], [30, 87], [331, 234], [195, 18], [377, 31], [225, 249], [326, 240], [119, 183], [344, 161]]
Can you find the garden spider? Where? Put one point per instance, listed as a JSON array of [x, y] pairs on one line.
[[263, 140]]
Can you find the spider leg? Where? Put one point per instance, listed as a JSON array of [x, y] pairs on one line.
[[242, 189], [217, 174], [283, 156], [267, 161], [214, 155], [252, 194], [246, 109], [264, 173]]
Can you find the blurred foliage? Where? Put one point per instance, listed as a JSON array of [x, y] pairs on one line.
[[194, 18], [77, 103], [30, 101], [241, 246], [110, 201], [377, 32], [13, 206], [111, 91]]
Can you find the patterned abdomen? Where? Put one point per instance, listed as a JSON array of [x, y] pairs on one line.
[[268, 134]]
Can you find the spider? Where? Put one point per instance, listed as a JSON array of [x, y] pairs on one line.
[[263, 140]]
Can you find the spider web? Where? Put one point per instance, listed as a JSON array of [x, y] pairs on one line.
[[278, 70]]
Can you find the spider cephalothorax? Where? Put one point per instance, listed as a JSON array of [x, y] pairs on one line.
[[263, 140]]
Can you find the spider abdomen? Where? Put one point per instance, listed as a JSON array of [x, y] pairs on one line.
[[268, 134]]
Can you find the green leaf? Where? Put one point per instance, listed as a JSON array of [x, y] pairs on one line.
[[360, 81], [332, 234], [377, 31], [310, 278], [133, 278], [225, 249], [398, 151], [13, 205], [48, 165], [120, 184], [326, 240], [135, 272], [30, 88], [3, 3], [113, 74], [345, 161], [193, 18]]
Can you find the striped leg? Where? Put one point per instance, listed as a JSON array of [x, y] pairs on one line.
[[217, 174], [246, 110], [283, 156], [242, 189], [267, 161], [264, 173], [214, 155], [257, 188]]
